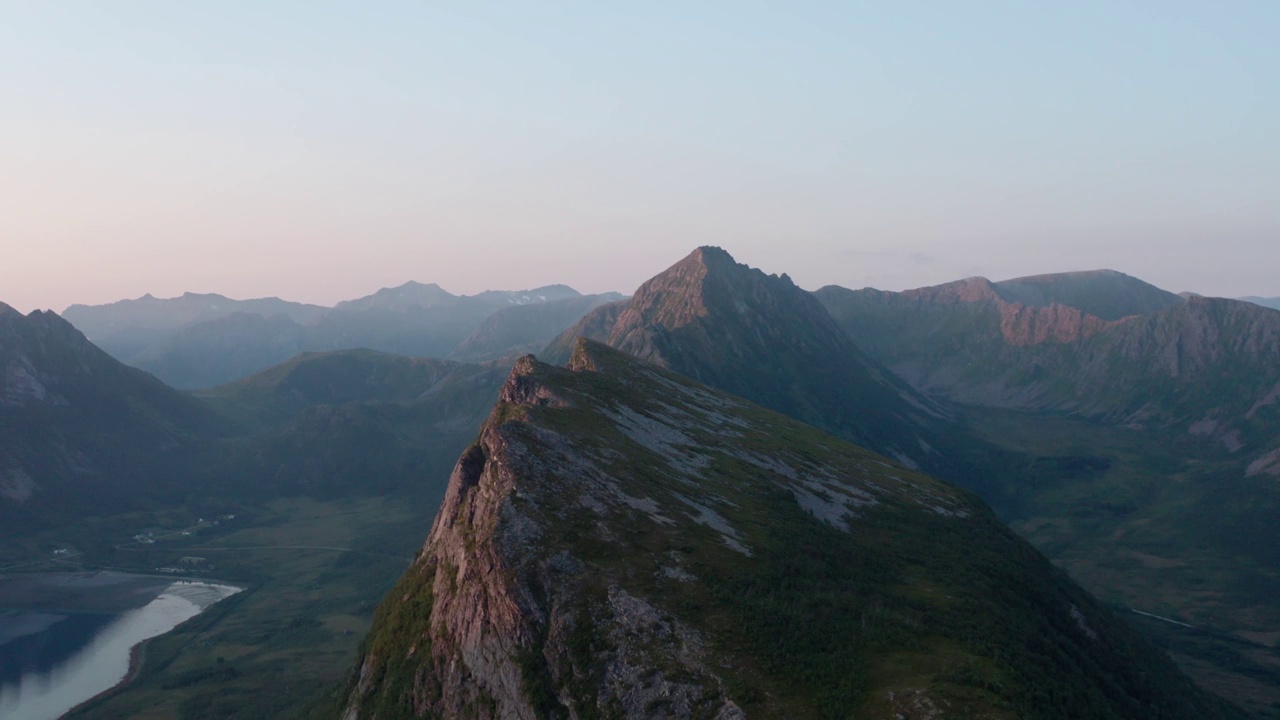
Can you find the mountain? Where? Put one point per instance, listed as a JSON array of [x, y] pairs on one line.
[[621, 541], [200, 341], [227, 349], [417, 295], [1107, 294], [402, 298], [1273, 303], [128, 327], [84, 435], [545, 294], [523, 328], [1150, 446], [80, 431], [1201, 367], [352, 423], [220, 351], [759, 336]]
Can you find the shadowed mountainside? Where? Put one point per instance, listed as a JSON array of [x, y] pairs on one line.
[[83, 433]]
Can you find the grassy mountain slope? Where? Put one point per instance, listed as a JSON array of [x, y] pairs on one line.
[[624, 542]]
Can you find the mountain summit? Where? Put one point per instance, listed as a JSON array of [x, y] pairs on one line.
[[1106, 294], [760, 336], [621, 541]]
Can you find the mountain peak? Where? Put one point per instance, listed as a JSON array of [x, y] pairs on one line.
[[414, 284], [970, 289], [712, 255], [759, 336], [401, 297], [1107, 294]]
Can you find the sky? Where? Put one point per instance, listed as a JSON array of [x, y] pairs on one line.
[[319, 151]]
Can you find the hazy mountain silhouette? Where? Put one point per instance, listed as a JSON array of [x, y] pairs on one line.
[[1273, 303], [199, 341]]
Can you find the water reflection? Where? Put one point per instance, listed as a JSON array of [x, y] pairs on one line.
[[67, 659]]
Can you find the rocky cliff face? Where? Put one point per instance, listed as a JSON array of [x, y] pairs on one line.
[[623, 542]]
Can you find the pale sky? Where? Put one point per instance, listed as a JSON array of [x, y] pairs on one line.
[[318, 151]]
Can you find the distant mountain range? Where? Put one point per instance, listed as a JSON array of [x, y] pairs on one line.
[[197, 341], [1273, 303], [84, 435], [1121, 351]]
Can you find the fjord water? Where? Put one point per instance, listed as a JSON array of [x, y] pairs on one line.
[[51, 661]]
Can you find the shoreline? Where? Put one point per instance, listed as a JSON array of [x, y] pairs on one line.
[[137, 653], [137, 656]]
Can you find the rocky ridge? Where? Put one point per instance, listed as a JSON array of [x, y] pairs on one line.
[[1204, 367]]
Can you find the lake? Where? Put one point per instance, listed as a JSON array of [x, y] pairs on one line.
[[66, 637]]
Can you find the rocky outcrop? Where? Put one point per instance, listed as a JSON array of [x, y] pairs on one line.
[[1023, 326]]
